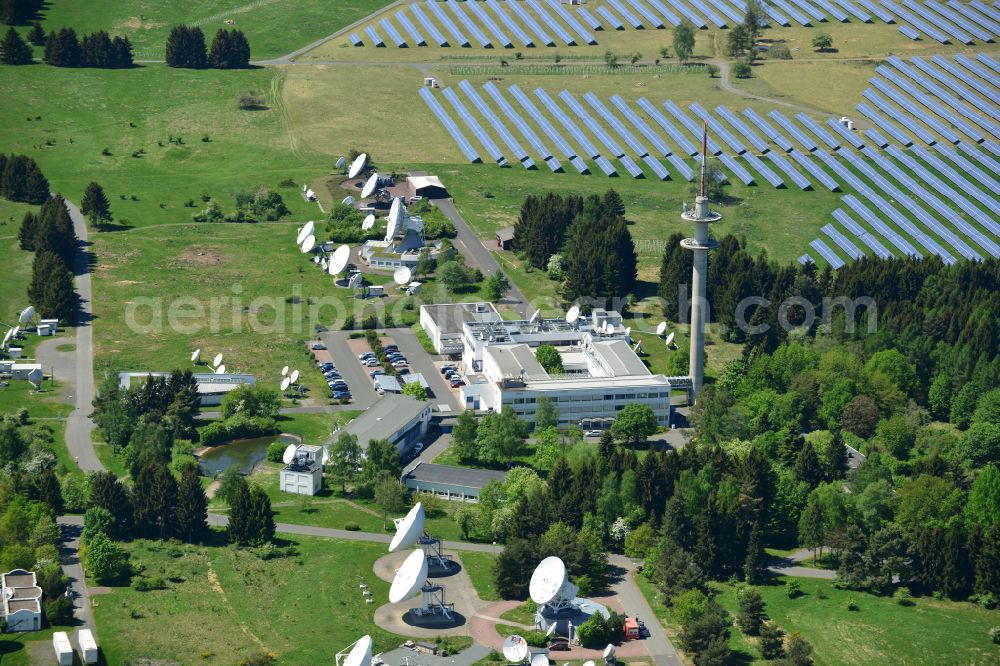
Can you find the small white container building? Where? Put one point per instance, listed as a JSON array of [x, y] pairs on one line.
[[88, 646], [63, 648], [304, 475]]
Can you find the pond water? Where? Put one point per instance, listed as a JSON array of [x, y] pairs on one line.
[[244, 453]]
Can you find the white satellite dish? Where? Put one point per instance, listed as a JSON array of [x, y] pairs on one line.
[[548, 580], [217, 361], [326, 456], [609, 328], [285, 383], [221, 370], [408, 531], [289, 454], [409, 578], [195, 355], [305, 232], [294, 377], [515, 649], [6, 336], [284, 371], [347, 201], [628, 332], [341, 161], [27, 314], [552, 629], [369, 222], [609, 652], [357, 165], [661, 328], [402, 275], [395, 217], [13, 335], [573, 314], [534, 316], [540, 658], [324, 264], [318, 260], [35, 377], [338, 262], [670, 339], [370, 186], [589, 662], [361, 653], [308, 244]]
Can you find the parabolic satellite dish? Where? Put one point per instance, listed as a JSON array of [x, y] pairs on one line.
[[628, 331], [221, 370], [284, 371], [395, 219], [357, 165], [540, 659], [552, 629], [670, 339], [13, 334], [217, 361], [341, 161], [361, 653], [27, 314], [308, 244], [6, 336], [547, 580], [348, 200], [35, 377], [289, 454], [370, 186], [661, 328], [368, 223], [409, 578], [515, 648], [609, 652], [195, 355], [305, 232], [294, 377], [535, 316], [338, 262], [285, 384], [409, 530], [573, 314], [402, 275], [589, 662]]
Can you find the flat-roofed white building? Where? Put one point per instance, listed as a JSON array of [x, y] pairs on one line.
[[20, 601], [304, 475], [444, 323]]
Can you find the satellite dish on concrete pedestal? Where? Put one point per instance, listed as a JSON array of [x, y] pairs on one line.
[[409, 578]]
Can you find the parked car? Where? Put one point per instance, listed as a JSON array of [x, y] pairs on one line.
[[399, 364], [326, 366], [455, 383], [377, 371], [391, 348], [447, 368], [371, 363], [341, 395], [318, 346], [403, 371], [559, 645], [592, 433]]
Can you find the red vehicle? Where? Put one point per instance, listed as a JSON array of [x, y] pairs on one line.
[[632, 628]]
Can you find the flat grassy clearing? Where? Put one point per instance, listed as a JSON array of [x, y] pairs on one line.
[[28, 648], [17, 268], [834, 87], [46, 405], [479, 566], [301, 608], [273, 28], [859, 40], [335, 514]]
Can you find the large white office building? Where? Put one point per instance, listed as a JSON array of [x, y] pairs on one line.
[[601, 371]]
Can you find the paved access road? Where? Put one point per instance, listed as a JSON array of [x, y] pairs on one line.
[[420, 361], [69, 555], [355, 374]]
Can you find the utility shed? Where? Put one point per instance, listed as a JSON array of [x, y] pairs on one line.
[[457, 483]]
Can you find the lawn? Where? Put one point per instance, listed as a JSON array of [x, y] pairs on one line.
[[479, 566], [301, 608], [45, 405], [273, 28]]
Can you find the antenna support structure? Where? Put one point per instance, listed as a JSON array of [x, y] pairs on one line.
[[701, 244], [434, 602]]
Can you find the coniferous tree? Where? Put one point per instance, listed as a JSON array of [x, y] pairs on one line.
[[18, 12], [107, 492], [807, 467], [51, 287], [261, 518], [62, 49], [14, 50], [22, 180], [238, 528], [49, 491], [835, 458], [96, 50], [753, 564], [95, 204], [55, 230], [186, 48], [36, 35], [28, 231], [192, 506], [230, 50], [121, 52], [154, 501], [36, 186], [601, 255], [987, 562]]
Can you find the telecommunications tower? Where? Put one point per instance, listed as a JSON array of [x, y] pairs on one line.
[[701, 244]]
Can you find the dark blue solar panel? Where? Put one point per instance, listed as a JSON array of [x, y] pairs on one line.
[[730, 13], [570, 20], [796, 133], [693, 127], [508, 111], [629, 17], [743, 129], [646, 13], [446, 21], [769, 131], [841, 171], [930, 101], [916, 112], [946, 27], [829, 255], [717, 128], [833, 10], [355, 40], [939, 92], [985, 9], [909, 32], [763, 170], [484, 18], [872, 8], [814, 169], [970, 169], [688, 14], [658, 168], [796, 15], [816, 129], [842, 241], [917, 23], [846, 134], [553, 164], [898, 116], [528, 20], [589, 150], [973, 15], [394, 35], [985, 160], [992, 147], [450, 126], [613, 147], [630, 166], [975, 100], [963, 76], [589, 18], [605, 166], [736, 168], [509, 23], [682, 167], [410, 29], [790, 171], [806, 259], [547, 19], [473, 125], [373, 36], [862, 234], [881, 227], [962, 22], [610, 118], [884, 124], [712, 17], [817, 15], [579, 165], [977, 69], [639, 124], [431, 29], [529, 164], [855, 11], [612, 20], [543, 122], [964, 185], [493, 121], [686, 146]]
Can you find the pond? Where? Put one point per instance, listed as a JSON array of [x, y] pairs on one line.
[[244, 453]]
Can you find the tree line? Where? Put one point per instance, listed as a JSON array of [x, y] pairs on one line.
[[22, 180], [186, 48], [50, 235], [19, 12], [64, 49]]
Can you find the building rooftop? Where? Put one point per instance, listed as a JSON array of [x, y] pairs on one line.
[[581, 383], [450, 317], [616, 358], [384, 419], [515, 361], [453, 476], [24, 592]]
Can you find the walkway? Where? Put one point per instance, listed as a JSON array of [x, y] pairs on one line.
[[69, 555]]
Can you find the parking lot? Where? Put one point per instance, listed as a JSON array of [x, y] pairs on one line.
[[360, 385]]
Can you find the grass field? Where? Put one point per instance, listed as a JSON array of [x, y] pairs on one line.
[[224, 604], [273, 28], [479, 566]]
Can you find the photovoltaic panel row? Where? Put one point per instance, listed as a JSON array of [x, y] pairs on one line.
[[796, 15], [829, 255], [980, 156], [983, 8], [899, 117], [801, 181], [929, 101], [654, 164], [547, 19], [588, 18], [712, 17], [971, 14], [589, 150], [796, 133], [814, 13], [862, 234], [637, 122], [730, 13], [884, 124], [981, 87], [477, 130], [446, 21], [806, 259], [769, 131], [631, 167], [763, 170], [508, 111], [410, 29], [842, 242], [493, 121], [973, 29], [460, 12], [450, 126], [881, 227], [604, 165], [373, 36], [509, 23], [646, 13], [613, 147], [629, 17], [612, 20], [977, 69], [602, 111], [394, 35], [909, 32], [975, 100], [717, 128], [667, 126], [526, 18], [939, 92], [970, 168], [833, 10], [817, 130], [917, 23], [916, 113], [484, 18], [855, 11], [355, 40], [945, 26], [698, 21], [570, 20], [690, 125], [431, 29], [543, 122], [815, 171], [964, 185], [874, 9], [845, 133], [736, 168], [743, 129]]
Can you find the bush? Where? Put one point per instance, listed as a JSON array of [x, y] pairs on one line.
[[143, 584], [535, 638], [275, 451], [987, 600], [59, 611], [239, 426], [742, 70], [852, 604], [903, 597], [793, 589], [352, 527], [779, 51], [995, 634]]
